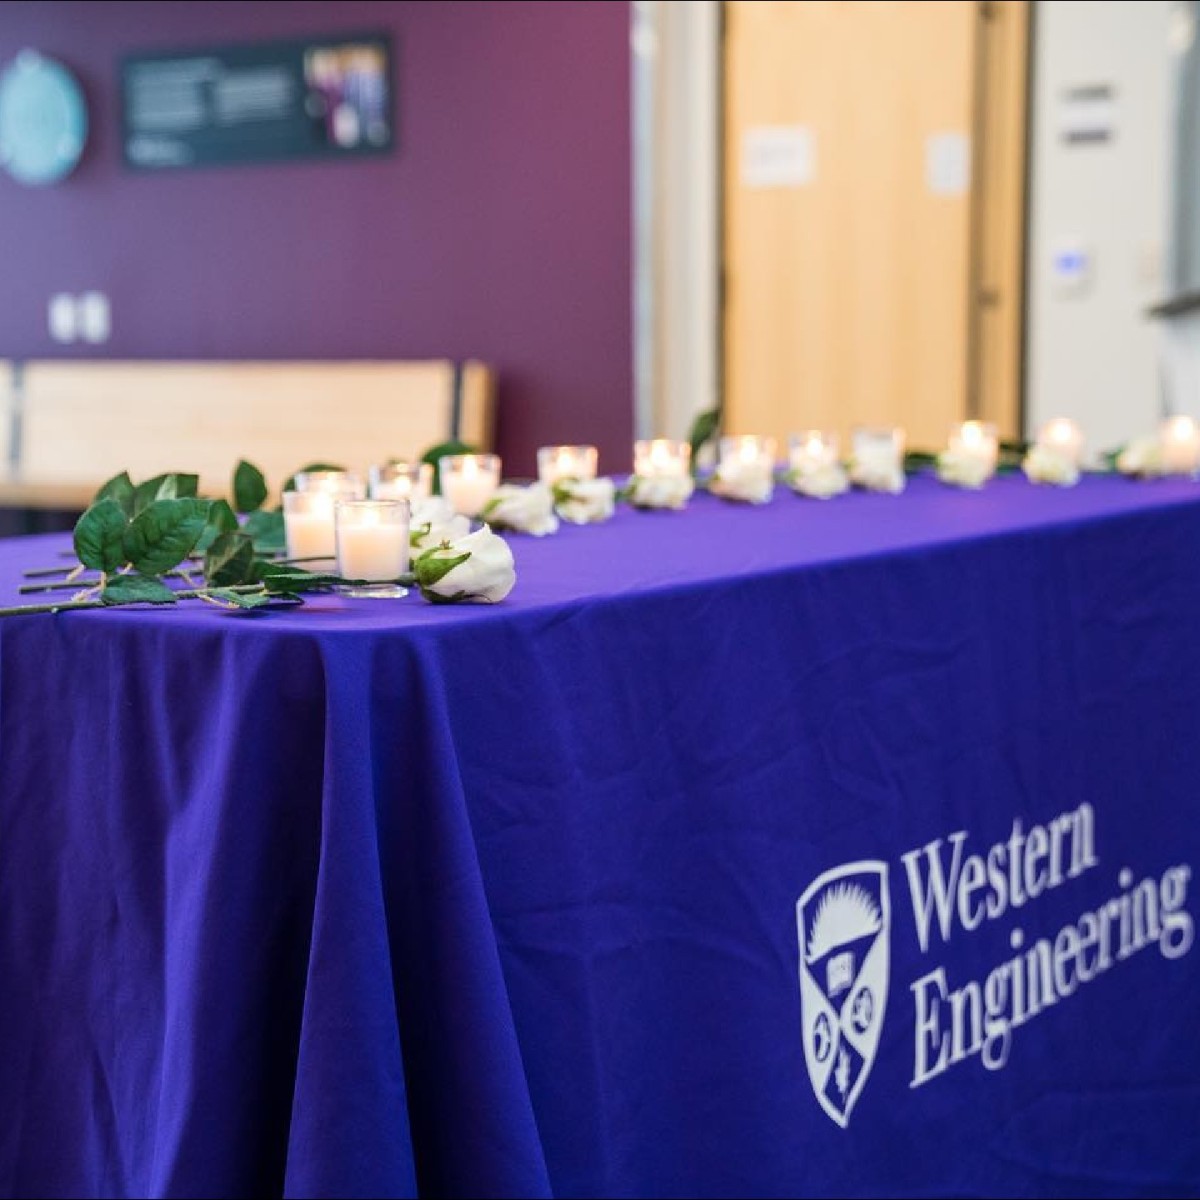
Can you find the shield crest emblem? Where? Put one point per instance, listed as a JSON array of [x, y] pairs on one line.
[[844, 924]]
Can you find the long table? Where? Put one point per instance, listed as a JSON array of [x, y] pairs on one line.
[[813, 849]]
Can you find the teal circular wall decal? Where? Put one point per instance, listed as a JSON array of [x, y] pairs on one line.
[[43, 119]]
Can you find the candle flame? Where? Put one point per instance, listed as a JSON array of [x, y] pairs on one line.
[[1182, 429], [972, 434]]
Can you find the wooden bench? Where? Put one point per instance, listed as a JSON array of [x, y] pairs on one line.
[[66, 427]]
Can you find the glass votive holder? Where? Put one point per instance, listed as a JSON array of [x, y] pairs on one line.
[[812, 451], [976, 442], [401, 480], [661, 458], [1064, 438], [348, 485], [469, 481], [748, 451], [556, 463], [308, 523], [372, 547], [1180, 442], [879, 447]]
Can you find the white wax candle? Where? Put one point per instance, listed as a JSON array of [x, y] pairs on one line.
[[1064, 437], [372, 551], [401, 481], [310, 534], [748, 452], [813, 451], [556, 463], [880, 449], [1181, 446], [662, 459], [401, 488], [470, 487], [975, 441]]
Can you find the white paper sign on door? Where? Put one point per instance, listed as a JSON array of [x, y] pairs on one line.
[[778, 156]]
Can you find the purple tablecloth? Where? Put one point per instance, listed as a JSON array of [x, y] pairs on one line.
[[375, 897]]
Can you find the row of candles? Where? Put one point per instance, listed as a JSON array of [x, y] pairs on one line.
[[361, 526]]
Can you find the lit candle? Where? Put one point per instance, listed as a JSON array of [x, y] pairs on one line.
[[661, 459], [745, 469], [556, 463], [1180, 446], [879, 449], [751, 451], [1064, 438], [399, 480], [308, 522], [469, 481], [372, 545], [976, 442], [346, 485], [814, 450]]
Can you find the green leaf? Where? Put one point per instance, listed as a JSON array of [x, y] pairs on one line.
[[249, 488], [230, 560], [221, 519], [253, 601], [287, 580], [99, 536], [173, 486], [290, 483], [137, 589], [266, 529], [435, 454], [429, 569], [919, 460], [120, 489], [162, 536], [704, 429]]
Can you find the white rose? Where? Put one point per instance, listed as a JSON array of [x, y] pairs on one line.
[[585, 501], [753, 483], [1046, 464], [522, 509], [964, 470], [878, 475], [821, 483], [476, 569], [666, 491], [1143, 456], [433, 521]]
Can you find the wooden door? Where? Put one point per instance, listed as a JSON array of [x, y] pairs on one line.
[[852, 280]]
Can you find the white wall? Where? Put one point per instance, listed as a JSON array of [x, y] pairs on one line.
[[677, 188], [1093, 355]]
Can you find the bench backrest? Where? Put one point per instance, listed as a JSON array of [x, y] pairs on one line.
[[74, 424]]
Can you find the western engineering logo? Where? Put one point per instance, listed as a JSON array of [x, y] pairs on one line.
[[844, 928], [844, 921]]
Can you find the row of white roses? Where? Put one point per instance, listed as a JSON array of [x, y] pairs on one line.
[[452, 564], [537, 509]]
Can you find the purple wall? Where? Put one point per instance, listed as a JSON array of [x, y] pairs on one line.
[[499, 230]]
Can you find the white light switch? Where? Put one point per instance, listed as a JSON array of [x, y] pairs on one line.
[[95, 317], [63, 318]]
